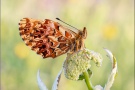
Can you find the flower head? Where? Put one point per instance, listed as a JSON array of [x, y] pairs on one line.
[[79, 62]]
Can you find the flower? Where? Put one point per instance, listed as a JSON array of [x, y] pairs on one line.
[[77, 67], [79, 62]]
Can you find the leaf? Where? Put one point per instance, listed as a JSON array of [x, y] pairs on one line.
[[41, 85], [56, 82]]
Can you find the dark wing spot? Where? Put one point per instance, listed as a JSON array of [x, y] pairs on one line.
[[43, 46], [21, 33], [62, 45], [44, 53], [35, 37], [41, 31], [39, 36], [21, 28], [62, 39]]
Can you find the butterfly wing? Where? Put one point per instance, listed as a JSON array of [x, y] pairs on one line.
[[47, 38]]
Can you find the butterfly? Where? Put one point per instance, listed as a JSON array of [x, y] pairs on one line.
[[49, 38]]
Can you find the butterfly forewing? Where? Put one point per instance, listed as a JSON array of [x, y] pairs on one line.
[[47, 38]]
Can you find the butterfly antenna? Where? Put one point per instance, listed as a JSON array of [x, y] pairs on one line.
[[66, 23]]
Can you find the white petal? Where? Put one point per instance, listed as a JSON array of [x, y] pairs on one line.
[[98, 87], [56, 82], [110, 55], [114, 71], [41, 85]]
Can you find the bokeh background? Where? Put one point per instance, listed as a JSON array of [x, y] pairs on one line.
[[110, 24]]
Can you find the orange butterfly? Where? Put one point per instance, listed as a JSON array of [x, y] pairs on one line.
[[49, 38]]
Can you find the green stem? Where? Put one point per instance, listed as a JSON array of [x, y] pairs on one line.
[[88, 83]]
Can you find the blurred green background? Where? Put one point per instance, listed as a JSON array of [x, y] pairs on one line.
[[110, 24]]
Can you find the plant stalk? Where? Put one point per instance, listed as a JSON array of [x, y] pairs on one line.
[[87, 81]]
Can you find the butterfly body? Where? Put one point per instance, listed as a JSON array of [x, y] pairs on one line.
[[49, 38]]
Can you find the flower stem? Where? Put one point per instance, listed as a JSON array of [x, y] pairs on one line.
[[88, 83]]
